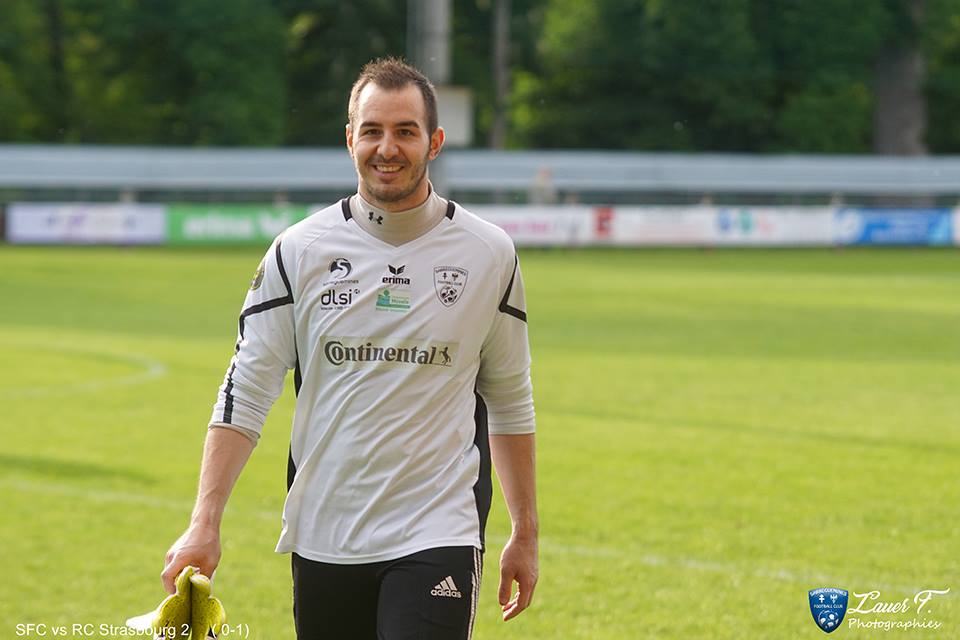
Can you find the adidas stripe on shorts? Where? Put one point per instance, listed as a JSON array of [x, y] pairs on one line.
[[430, 595]]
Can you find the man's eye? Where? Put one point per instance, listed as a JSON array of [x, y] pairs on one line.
[[370, 132], [406, 132]]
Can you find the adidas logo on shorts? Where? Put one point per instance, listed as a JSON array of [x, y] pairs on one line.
[[446, 589]]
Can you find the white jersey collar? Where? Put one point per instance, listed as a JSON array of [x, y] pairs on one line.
[[398, 227]]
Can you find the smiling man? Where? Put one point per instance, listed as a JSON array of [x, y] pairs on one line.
[[391, 153], [403, 318]]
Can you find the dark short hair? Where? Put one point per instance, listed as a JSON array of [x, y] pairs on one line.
[[392, 74]]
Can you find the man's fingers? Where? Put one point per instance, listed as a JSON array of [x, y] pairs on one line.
[[167, 577], [518, 563], [512, 609], [525, 591], [517, 603], [506, 585], [208, 570], [521, 600]]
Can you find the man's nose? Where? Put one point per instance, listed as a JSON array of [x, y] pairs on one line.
[[388, 146]]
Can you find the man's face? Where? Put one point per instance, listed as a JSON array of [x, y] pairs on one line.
[[390, 146]]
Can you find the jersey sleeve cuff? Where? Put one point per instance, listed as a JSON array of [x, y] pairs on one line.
[[512, 430], [249, 434]]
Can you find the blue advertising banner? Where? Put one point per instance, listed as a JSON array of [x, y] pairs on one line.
[[876, 226]]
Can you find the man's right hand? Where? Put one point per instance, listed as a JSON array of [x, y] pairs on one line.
[[199, 546]]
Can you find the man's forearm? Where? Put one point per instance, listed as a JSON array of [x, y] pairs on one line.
[[225, 452], [514, 457]]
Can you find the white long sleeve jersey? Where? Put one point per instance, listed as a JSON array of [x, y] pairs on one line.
[[400, 356]]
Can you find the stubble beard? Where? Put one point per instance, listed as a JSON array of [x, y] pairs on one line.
[[391, 193]]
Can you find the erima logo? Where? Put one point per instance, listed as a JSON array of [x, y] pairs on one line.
[[439, 354], [446, 589], [395, 278], [340, 268]]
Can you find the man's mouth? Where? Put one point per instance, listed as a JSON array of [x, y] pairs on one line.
[[387, 168]]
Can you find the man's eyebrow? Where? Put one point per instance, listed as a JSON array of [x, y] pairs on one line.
[[405, 123]]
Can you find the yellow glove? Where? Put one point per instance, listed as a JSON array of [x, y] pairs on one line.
[[188, 614], [206, 612]]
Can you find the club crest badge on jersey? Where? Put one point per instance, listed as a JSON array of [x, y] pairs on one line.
[[257, 278], [828, 606], [449, 283]]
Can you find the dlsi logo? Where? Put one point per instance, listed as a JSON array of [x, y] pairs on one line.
[[334, 299]]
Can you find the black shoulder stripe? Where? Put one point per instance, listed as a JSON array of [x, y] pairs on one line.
[[263, 306], [269, 304], [297, 377], [228, 399], [451, 208], [345, 205], [483, 487], [291, 468], [283, 272], [506, 308], [246, 313]]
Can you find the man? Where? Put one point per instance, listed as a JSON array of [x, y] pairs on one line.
[[403, 318]]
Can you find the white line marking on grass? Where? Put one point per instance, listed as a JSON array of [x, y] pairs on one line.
[[96, 495], [152, 369], [121, 497], [618, 554], [695, 564]]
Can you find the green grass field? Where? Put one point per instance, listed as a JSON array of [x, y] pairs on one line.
[[718, 432]]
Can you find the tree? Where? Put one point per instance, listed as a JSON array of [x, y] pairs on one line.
[[150, 72], [823, 53], [645, 75], [739, 75], [940, 42], [834, 76], [900, 110], [26, 85], [327, 41]]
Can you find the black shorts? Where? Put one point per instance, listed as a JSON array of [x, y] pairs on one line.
[[430, 595]]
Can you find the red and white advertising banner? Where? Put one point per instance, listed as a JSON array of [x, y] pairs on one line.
[[541, 226], [661, 226]]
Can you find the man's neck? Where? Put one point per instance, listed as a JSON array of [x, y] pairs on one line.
[[398, 227]]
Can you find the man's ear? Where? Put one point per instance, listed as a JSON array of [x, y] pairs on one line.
[[348, 131], [436, 142]]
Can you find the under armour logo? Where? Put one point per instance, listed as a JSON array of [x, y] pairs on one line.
[[378, 219]]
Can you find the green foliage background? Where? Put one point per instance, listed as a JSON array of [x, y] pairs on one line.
[[684, 75]]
